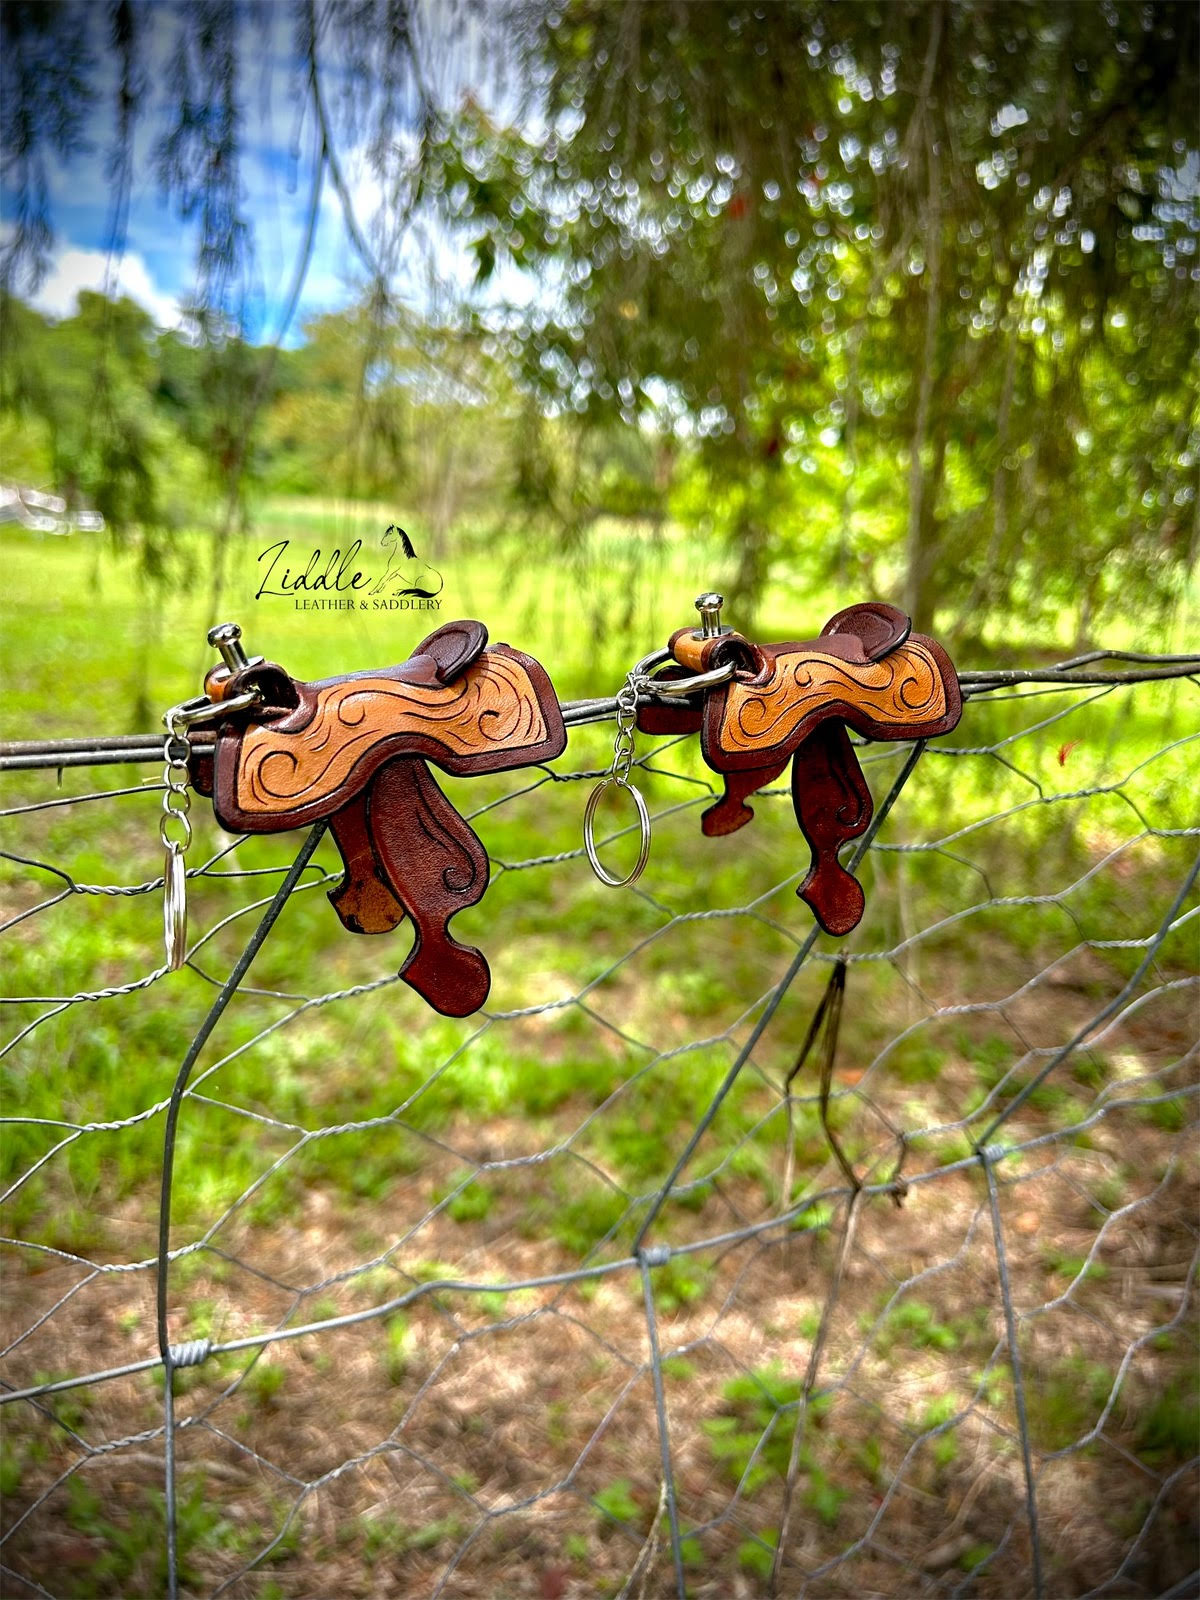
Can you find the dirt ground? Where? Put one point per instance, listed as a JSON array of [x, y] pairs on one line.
[[506, 1446]]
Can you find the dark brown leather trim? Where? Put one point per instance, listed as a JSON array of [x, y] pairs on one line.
[[231, 817], [854, 717]]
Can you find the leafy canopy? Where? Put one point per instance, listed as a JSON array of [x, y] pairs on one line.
[[912, 279], [904, 293]]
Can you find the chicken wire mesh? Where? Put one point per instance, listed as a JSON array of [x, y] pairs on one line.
[[595, 1292]]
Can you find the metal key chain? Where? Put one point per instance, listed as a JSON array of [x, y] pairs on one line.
[[642, 680], [174, 828], [175, 831], [618, 777]]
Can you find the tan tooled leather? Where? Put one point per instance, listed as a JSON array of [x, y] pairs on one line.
[[297, 765]]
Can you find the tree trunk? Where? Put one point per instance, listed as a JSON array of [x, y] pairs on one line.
[[924, 543], [920, 598]]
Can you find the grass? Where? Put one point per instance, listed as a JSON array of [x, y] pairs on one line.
[[1064, 1398], [1168, 1430], [152, 645], [368, 1130], [915, 1324], [615, 1503], [131, 1553]]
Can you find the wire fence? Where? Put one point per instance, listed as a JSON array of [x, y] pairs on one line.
[[609, 1289]]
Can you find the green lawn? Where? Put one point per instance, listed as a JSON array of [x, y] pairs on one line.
[[365, 1144], [87, 650]]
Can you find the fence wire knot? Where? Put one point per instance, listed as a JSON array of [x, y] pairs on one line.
[[191, 1353], [655, 1255]]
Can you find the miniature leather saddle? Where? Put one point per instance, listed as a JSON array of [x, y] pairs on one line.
[[354, 749], [794, 701]]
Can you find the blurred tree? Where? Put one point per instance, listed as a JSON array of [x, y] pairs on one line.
[[177, 76], [62, 58], [906, 291], [946, 249], [379, 403], [78, 402]]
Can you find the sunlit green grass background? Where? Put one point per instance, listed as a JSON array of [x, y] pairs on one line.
[[366, 1099], [87, 649]]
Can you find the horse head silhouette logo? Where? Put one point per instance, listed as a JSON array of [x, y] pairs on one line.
[[406, 573]]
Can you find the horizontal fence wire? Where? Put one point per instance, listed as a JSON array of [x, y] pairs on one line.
[[609, 1289]]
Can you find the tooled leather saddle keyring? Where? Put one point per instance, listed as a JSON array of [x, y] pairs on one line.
[[354, 750], [794, 701]]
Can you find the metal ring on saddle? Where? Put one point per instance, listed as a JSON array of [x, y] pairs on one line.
[[175, 829], [639, 681], [202, 709], [589, 835], [679, 686]]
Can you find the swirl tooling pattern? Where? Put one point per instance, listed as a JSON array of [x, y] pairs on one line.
[[493, 705], [906, 687]]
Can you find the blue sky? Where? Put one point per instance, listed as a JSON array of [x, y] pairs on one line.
[[158, 263]]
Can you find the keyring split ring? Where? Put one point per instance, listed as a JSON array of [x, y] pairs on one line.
[[174, 908], [589, 838]]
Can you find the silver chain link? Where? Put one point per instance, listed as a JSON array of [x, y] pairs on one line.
[[175, 831], [177, 798], [627, 701]]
